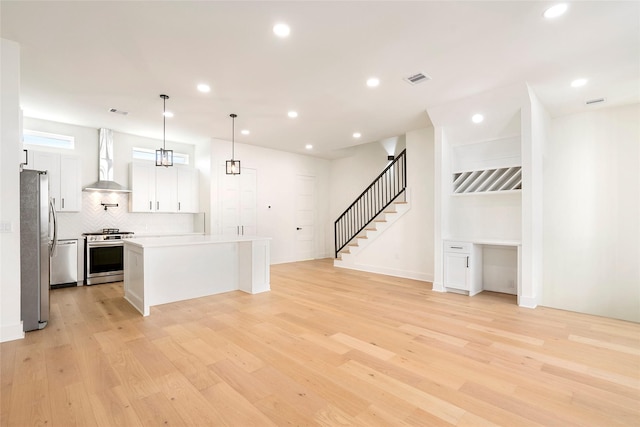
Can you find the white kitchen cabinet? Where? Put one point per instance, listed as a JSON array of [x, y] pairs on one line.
[[462, 267], [70, 188], [160, 189], [64, 178], [142, 182], [166, 189], [188, 186], [239, 203]]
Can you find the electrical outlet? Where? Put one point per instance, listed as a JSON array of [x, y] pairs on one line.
[[6, 227], [512, 284]]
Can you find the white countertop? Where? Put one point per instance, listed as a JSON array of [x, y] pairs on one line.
[[496, 242], [198, 239], [152, 234]]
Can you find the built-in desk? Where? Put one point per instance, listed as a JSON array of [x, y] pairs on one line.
[[473, 265], [160, 270]]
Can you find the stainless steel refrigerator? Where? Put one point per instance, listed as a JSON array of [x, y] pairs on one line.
[[38, 237]]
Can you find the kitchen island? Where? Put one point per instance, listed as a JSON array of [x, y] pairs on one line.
[[160, 270]]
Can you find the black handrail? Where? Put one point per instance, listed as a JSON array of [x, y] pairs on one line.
[[383, 191]]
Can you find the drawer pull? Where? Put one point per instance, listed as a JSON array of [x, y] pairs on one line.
[[456, 247]]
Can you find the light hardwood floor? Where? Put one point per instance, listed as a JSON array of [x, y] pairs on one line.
[[326, 346]]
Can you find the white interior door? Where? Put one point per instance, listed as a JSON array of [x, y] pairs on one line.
[[305, 213]]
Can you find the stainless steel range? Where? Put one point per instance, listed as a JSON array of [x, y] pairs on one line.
[[104, 256]]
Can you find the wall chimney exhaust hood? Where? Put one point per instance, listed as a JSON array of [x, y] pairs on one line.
[[105, 172]]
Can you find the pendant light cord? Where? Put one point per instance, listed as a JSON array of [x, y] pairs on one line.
[[233, 135]]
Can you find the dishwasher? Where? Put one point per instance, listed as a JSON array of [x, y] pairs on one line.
[[64, 264]]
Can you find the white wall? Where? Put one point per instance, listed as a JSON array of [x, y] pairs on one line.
[[592, 213], [10, 158], [276, 179], [352, 174], [535, 130], [406, 248]]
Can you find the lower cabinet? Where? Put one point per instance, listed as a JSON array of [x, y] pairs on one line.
[[462, 267]]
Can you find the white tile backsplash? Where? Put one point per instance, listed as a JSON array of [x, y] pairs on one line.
[[94, 218]]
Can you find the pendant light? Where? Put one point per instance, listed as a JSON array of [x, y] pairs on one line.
[[233, 166], [164, 157]]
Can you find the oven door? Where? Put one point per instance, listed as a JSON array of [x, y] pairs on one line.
[[104, 262]]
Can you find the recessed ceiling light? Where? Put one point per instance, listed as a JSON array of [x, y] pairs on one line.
[[477, 118], [204, 88], [373, 82], [357, 134], [579, 82], [555, 10], [292, 114], [245, 131], [281, 30], [167, 114], [308, 146]]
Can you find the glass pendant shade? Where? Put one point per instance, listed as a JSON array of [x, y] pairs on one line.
[[233, 167], [164, 157]]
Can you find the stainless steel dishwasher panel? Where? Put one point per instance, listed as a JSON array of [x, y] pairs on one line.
[[64, 264]]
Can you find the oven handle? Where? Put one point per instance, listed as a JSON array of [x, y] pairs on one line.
[[105, 243]]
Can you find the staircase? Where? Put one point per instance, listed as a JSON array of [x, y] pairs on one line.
[[381, 204], [347, 256]]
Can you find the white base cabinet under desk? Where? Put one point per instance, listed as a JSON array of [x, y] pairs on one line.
[[462, 267]]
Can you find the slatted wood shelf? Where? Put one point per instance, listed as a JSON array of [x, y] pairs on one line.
[[488, 180]]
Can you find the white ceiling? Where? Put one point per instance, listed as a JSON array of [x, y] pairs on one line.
[[79, 59]]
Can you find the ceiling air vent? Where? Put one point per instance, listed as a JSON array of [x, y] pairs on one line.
[[417, 78], [595, 101], [115, 110]]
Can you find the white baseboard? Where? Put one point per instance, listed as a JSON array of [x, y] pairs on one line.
[[288, 260], [11, 332], [527, 302], [424, 277], [437, 287]]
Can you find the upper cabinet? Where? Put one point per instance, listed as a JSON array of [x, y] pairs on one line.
[[64, 178], [160, 189], [166, 189], [142, 182], [188, 195]]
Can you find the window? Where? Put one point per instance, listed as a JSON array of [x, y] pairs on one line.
[[51, 140], [147, 154]]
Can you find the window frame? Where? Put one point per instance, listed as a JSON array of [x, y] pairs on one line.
[[36, 138]]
